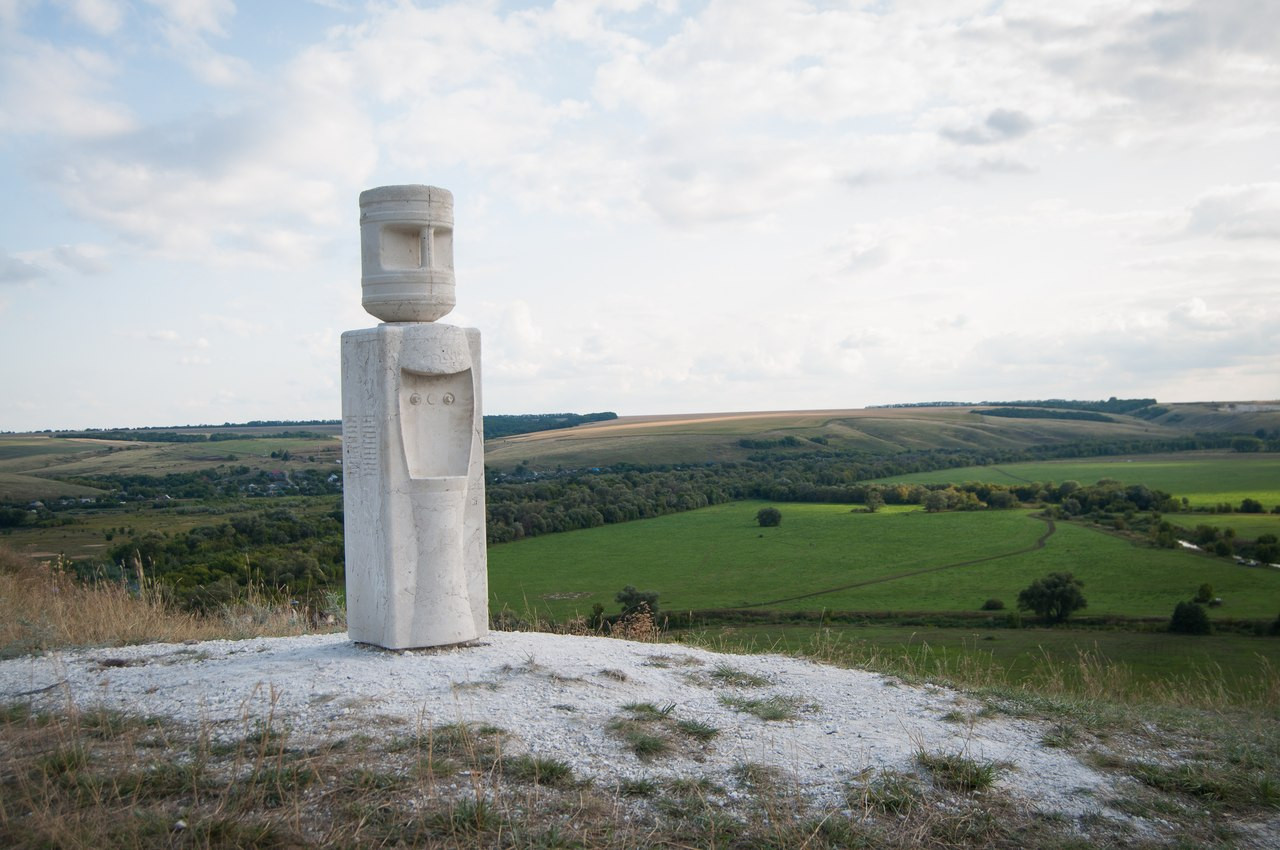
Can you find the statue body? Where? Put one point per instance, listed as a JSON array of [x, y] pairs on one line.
[[413, 436]]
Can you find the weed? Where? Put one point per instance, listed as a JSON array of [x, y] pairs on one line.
[[639, 739], [697, 730], [756, 776], [1234, 791], [467, 817], [1061, 735], [649, 711], [727, 675], [772, 708], [957, 772], [891, 791], [637, 788], [539, 771]]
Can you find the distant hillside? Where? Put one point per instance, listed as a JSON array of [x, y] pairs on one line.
[[727, 437], [500, 425]]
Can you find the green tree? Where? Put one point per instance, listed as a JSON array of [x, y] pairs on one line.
[[1053, 597], [1189, 619], [769, 517], [633, 600], [874, 499], [1205, 594]]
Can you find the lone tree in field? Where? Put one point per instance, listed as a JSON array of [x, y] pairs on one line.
[[769, 517], [1053, 597], [633, 601], [1190, 619]]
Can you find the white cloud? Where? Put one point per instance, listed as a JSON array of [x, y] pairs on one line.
[[1238, 212], [185, 26], [1195, 314], [1000, 125], [48, 89], [275, 174], [17, 270], [196, 16], [103, 17], [85, 258]]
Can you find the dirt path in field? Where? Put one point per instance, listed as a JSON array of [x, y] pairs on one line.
[[1039, 544], [1009, 474]]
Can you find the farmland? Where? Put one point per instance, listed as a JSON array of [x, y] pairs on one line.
[[1205, 479], [893, 560]]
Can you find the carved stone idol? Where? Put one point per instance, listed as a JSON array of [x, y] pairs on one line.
[[413, 437]]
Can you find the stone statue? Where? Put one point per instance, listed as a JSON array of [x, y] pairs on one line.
[[412, 436]]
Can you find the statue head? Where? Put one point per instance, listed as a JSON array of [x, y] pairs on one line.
[[406, 253]]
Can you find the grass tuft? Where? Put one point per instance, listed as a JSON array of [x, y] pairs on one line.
[[539, 771], [725, 674], [638, 737], [771, 708], [957, 772]]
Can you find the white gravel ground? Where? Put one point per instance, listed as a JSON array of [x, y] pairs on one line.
[[556, 695]]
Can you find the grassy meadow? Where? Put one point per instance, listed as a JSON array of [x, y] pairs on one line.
[[898, 559]]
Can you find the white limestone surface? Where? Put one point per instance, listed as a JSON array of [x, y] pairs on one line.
[[555, 696]]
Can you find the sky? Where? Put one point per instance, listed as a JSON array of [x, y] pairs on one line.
[[660, 206]]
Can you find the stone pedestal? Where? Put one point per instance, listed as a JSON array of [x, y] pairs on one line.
[[413, 453]]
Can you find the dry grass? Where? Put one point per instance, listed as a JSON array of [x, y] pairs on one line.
[[99, 779], [43, 607], [1089, 677]]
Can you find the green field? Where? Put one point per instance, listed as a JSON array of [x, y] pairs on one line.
[[1203, 478], [1247, 526], [718, 558]]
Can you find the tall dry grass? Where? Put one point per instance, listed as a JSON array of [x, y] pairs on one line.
[[43, 607], [1088, 677]]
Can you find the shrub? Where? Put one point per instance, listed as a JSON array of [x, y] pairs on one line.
[[769, 517], [1189, 619], [634, 601], [1205, 594], [993, 605]]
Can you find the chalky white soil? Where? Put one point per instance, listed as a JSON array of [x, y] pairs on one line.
[[555, 695]]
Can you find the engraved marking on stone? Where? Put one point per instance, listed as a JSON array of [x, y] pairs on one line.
[[431, 398], [360, 438], [415, 399], [448, 398]]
